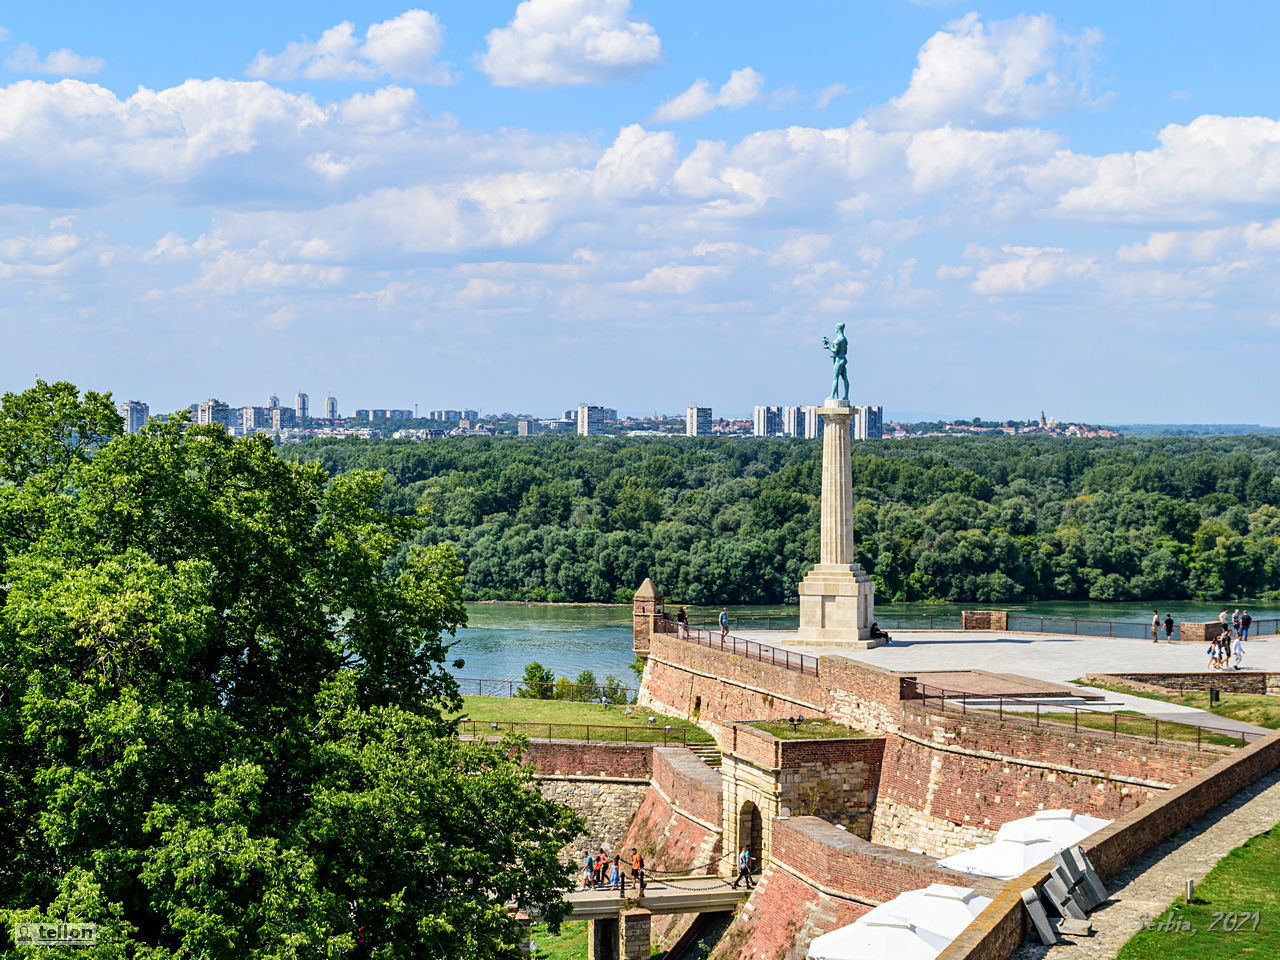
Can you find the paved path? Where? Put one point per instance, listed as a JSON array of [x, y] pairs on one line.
[[1146, 887], [671, 895], [1169, 711]]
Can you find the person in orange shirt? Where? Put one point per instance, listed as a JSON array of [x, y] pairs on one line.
[[637, 868]]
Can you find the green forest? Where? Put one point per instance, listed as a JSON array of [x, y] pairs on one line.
[[973, 519]]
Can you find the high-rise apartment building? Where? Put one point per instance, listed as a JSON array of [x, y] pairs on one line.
[[527, 427], [453, 415], [215, 411], [255, 418], [868, 423], [272, 402], [590, 420], [794, 420], [300, 409], [812, 423], [766, 421], [400, 414], [282, 418], [331, 408], [697, 421], [135, 414]]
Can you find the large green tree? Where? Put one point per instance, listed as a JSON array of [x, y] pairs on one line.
[[223, 693]]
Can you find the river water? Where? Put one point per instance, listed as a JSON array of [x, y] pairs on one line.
[[502, 637]]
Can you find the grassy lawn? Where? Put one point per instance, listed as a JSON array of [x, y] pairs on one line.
[[1243, 882], [578, 720], [1256, 708], [1136, 724], [809, 730]]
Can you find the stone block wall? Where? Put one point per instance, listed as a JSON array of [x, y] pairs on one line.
[[834, 779], [948, 781], [984, 620], [576, 758], [1247, 681], [1200, 632], [822, 878], [607, 807]]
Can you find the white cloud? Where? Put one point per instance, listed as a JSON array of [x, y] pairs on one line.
[[829, 93], [560, 43], [1005, 72], [404, 47], [742, 87], [26, 59], [639, 162], [1205, 170]]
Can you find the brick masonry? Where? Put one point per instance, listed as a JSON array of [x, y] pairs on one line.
[[984, 620], [1246, 681]]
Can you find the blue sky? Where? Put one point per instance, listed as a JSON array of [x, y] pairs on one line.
[[644, 204]]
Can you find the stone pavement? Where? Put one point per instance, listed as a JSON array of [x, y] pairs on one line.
[[1146, 887]]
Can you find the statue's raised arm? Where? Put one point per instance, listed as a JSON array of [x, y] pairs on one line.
[[839, 349]]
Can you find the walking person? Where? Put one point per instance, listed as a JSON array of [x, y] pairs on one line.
[[682, 624], [1246, 622], [724, 622], [1155, 626], [1224, 620], [615, 873], [589, 871], [1168, 628], [637, 869], [1237, 649], [1235, 622], [744, 869], [602, 867]]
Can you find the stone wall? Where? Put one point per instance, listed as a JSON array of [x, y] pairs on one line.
[[819, 879], [607, 806], [577, 758], [949, 781], [1200, 632], [1247, 681], [1001, 927], [984, 620]]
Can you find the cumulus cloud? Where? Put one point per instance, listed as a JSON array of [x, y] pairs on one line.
[[829, 93], [404, 47], [1203, 170], [561, 43], [1003, 73], [742, 87], [27, 59]]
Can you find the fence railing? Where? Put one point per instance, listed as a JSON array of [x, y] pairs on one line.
[[751, 649], [1083, 627], [592, 732], [780, 621], [1099, 721], [582, 692]]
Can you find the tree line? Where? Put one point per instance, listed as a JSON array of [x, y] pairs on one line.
[[972, 519]]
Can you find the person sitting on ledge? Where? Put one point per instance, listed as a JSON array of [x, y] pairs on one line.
[[878, 634]]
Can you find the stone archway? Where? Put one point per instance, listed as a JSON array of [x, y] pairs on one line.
[[751, 834]]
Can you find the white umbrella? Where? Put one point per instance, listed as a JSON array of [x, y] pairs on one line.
[[939, 908], [876, 939], [1063, 827], [1003, 859]]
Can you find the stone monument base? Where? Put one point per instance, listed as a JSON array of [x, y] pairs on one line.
[[837, 603]]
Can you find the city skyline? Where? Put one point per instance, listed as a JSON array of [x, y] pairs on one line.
[[468, 195]]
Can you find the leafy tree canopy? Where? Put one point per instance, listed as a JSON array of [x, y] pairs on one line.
[[222, 702]]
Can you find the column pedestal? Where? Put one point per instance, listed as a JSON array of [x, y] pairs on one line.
[[837, 598]]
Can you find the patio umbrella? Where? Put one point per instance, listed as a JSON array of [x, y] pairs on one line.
[[939, 908], [1064, 827], [1003, 859], [876, 939]]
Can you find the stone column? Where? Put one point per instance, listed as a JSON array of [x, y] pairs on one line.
[[634, 934], [837, 598]]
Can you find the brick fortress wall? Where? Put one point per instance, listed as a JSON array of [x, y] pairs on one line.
[[1256, 682]]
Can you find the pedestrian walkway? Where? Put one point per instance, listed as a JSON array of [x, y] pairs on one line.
[[1146, 888], [1174, 712], [674, 895]]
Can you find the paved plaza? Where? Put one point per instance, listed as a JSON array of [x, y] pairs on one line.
[[1044, 657]]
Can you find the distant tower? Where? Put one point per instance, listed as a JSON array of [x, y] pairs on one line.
[[273, 403], [1044, 423], [300, 406], [331, 408], [135, 414], [697, 421]]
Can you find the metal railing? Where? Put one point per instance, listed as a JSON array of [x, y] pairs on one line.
[[791, 621], [751, 649], [1020, 709], [583, 693], [1084, 627], [591, 732]]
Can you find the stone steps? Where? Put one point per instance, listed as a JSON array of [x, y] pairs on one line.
[[708, 753]]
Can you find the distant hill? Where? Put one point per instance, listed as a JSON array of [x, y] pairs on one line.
[[1194, 429]]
